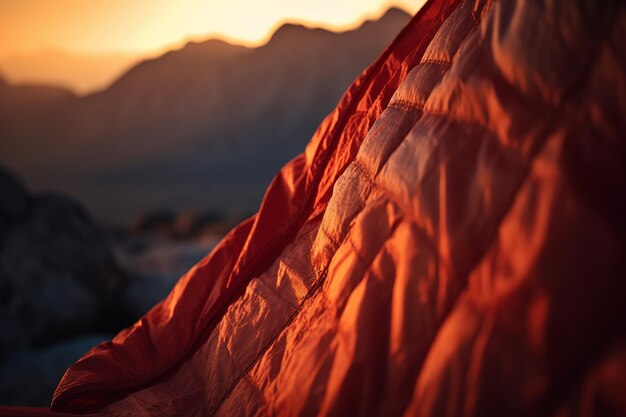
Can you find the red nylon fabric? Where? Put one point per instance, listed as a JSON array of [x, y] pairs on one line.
[[141, 354], [450, 244]]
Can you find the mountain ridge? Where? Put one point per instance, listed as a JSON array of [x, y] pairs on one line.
[[206, 125]]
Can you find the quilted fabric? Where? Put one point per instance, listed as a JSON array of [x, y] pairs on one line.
[[451, 243]]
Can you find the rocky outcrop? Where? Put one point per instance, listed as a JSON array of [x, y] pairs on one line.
[[58, 276], [64, 287]]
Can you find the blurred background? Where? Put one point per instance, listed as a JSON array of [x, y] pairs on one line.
[[133, 135]]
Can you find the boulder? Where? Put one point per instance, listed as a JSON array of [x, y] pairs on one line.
[[58, 276], [14, 200]]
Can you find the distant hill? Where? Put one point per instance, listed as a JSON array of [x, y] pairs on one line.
[[204, 126], [28, 94], [79, 72]]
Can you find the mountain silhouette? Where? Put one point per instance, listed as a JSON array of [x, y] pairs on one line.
[[206, 126]]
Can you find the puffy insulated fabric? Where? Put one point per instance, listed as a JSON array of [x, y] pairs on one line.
[[450, 244]]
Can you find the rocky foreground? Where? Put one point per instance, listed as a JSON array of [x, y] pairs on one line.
[[66, 284]]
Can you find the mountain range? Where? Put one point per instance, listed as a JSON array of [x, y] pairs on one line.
[[205, 126]]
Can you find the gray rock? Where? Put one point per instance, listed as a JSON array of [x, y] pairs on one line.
[[58, 276], [14, 200]]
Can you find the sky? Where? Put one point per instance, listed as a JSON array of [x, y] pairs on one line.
[[142, 26]]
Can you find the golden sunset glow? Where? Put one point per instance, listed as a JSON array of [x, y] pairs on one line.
[[140, 26]]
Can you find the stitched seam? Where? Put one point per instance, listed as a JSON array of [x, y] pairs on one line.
[[407, 108], [408, 105], [434, 61], [327, 234], [366, 175], [332, 240]]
